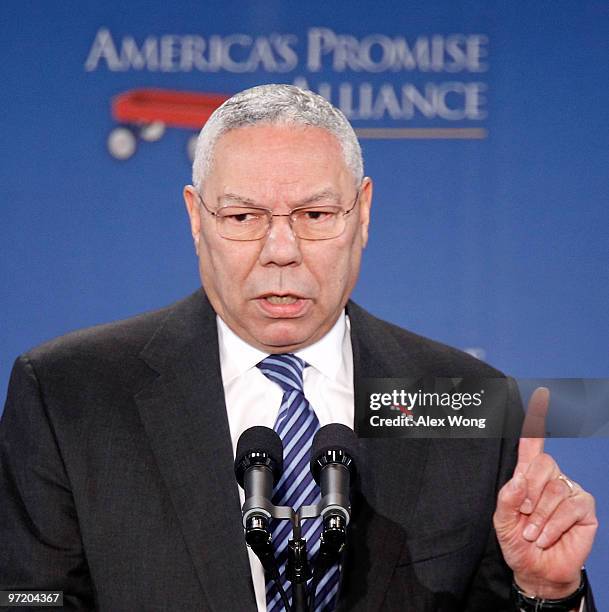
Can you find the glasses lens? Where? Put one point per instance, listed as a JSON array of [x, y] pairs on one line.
[[238, 223], [318, 223], [313, 223]]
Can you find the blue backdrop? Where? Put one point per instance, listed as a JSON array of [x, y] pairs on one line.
[[483, 124]]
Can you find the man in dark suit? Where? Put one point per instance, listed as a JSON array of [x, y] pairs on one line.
[[117, 443]]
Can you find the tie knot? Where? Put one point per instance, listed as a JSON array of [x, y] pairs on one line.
[[284, 369]]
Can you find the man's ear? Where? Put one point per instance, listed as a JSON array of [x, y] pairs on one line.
[[191, 199], [365, 202]]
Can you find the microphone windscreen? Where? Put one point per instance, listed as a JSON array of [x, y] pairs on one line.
[[333, 437], [259, 439]]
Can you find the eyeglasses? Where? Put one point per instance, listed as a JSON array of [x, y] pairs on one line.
[[307, 222]]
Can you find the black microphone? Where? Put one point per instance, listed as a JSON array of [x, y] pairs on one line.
[[258, 467], [333, 459]]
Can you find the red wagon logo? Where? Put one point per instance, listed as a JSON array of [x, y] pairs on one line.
[[144, 114]]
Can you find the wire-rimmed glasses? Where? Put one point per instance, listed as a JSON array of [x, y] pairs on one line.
[[315, 222]]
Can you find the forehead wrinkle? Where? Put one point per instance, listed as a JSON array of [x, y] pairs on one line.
[[324, 194]]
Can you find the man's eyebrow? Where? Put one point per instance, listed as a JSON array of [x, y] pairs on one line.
[[229, 199], [326, 194], [232, 198]]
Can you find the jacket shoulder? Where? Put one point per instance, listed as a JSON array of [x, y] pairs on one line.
[[431, 356], [108, 347]]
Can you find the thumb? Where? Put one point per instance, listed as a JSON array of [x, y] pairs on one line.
[[511, 496]]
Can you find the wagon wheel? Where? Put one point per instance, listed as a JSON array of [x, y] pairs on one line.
[[151, 132], [121, 143], [191, 146]]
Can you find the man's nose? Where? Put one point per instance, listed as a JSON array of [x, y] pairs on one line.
[[281, 246]]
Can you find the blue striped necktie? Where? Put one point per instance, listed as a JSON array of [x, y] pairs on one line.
[[296, 425]]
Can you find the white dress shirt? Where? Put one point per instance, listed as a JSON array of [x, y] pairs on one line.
[[253, 399]]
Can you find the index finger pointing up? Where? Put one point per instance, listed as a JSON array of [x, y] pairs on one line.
[[534, 428]]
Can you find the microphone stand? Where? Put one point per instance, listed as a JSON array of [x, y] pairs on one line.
[[297, 569], [258, 509], [333, 537]]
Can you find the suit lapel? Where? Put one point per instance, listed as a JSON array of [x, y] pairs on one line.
[[389, 479], [184, 415]]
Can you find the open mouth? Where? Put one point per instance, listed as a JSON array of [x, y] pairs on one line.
[[284, 306], [281, 299]]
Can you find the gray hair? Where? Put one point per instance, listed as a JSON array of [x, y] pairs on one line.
[[276, 105]]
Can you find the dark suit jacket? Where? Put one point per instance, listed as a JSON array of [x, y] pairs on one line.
[[117, 482]]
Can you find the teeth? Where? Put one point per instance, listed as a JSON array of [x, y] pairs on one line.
[[281, 299]]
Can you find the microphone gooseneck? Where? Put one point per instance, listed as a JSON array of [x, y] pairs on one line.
[[333, 461], [258, 467]]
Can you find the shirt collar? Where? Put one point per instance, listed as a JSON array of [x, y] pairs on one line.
[[326, 355], [237, 356]]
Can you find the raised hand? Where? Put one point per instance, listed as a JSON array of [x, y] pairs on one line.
[[545, 522]]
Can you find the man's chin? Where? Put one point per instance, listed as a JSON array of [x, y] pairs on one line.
[[284, 338], [285, 345]]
